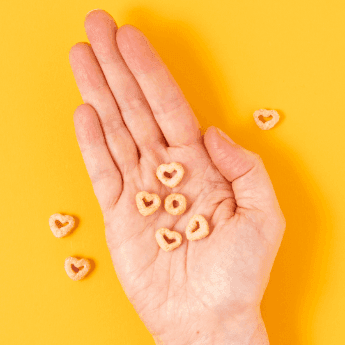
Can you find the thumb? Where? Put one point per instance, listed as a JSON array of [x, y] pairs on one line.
[[245, 170]]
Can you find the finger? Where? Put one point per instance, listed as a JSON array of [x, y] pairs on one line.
[[105, 177], [169, 106], [250, 181], [135, 110], [95, 91]]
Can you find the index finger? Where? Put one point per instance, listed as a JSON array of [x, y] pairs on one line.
[[171, 110]]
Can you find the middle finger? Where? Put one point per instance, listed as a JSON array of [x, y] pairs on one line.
[[135, 110]]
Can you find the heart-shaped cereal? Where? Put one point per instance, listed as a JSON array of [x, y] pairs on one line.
[[197, 228], [61, 225], [147, 203], [164, 172], [175, 204], [167, 239], [266, 113], [77, 269]]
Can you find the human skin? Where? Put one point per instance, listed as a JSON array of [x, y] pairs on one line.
[[134, 118]]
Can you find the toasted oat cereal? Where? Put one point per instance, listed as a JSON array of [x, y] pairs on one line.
[[147, 203], [61, 225], [197, 228], [164, 172], [266, 113], [175, 204], [164, 234], [77, 269]]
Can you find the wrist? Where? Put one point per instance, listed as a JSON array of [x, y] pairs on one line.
[[241, 329]]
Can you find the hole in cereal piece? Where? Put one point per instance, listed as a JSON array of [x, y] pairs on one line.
[[147, 203], [76, 269], [175, 204], [169, 240], [265, 119], [170, 175], [197, 227], [59, 224]]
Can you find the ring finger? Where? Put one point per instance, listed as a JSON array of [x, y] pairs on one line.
[[95, 91]]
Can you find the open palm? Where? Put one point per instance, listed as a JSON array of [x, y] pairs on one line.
[[134, 119]]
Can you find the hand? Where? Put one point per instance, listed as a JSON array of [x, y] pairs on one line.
[[135, 118]]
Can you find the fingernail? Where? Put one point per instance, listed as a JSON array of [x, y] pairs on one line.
[[225, 136]]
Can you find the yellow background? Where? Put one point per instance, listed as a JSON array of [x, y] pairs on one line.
[[230, 58]]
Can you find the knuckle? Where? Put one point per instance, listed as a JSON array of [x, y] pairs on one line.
[[130, 103], [173, 103], [112, 125], [258, 162], [258, 158]]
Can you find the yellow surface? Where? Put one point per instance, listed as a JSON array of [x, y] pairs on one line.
[[230, 58]]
